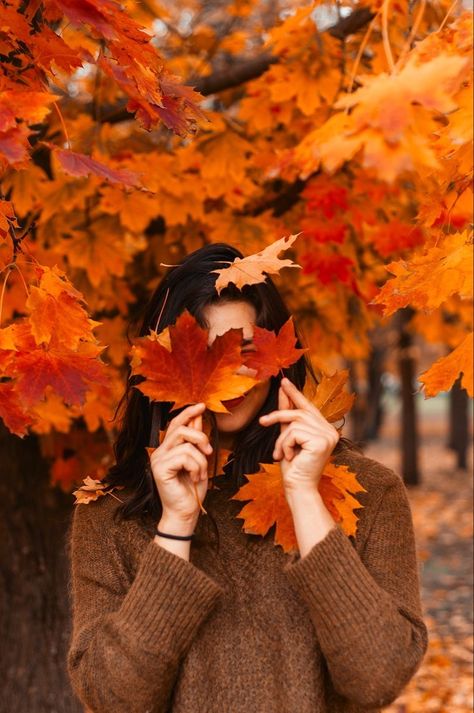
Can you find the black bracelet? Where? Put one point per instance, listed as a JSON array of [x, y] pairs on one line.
[[174, 537]]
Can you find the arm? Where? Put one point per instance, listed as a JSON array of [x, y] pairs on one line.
[[366, 609], [128, 639]]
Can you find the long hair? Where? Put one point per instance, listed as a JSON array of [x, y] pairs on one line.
[[191, 285]]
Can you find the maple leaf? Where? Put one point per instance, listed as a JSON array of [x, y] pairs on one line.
[[222, 459], [444, 372], [7, 218], [102, 249], [273, 351], [59, 318], [191, 372], [336, 486], [92, 490], [69, 373], [330, 398], [448, 265], [328, 267], [250, 270], [79, 165], [12, 412], [268, 505]]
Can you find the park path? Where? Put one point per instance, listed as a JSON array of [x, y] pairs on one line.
[[442, 508]]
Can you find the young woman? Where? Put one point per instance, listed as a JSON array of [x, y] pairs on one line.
[[167, 619]]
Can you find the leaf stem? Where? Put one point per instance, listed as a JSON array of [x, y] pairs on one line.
[[162, 308], [386, 38], [11, 266], [3, 290], [61, 119], [414, 29], [362, 47], [448, 13]]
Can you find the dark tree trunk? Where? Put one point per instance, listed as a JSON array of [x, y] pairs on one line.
[[358, 413], [459, 423], [34, 603], [408, 426], [375, 391]]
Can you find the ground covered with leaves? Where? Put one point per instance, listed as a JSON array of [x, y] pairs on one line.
[[442, 515]]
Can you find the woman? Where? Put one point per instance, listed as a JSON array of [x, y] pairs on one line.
[[163, 625]]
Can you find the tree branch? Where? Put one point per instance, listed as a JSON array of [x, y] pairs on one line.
[[247, 69]]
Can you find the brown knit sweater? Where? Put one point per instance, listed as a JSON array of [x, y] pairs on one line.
[[251, 628]]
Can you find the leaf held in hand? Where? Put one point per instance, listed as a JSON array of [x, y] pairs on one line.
[[192, 371]]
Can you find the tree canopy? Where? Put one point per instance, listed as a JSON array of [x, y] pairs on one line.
[[133, 133]]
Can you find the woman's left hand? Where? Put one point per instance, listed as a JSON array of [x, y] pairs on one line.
[[306, 438]]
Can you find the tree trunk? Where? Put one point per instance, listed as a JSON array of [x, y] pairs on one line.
[[408, 426], [34, 604], [459, 423], [358, 413], [375, 392]]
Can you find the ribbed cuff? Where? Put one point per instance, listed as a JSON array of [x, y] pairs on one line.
[[341, 594], [168, 600]]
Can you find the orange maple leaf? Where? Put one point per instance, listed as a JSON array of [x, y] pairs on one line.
[[59, 319], [268, 505], [191, 372], [250, 270], [444, 372], [330, 398], [92, 490], [273, 351]]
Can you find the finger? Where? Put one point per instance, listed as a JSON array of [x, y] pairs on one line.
[[285, 416], [284, 403], [186, 414], [312, 417], [297, 397], [196, 422], [184, 434], [191, 466], [199, 461], [173, 458], [288, 438]]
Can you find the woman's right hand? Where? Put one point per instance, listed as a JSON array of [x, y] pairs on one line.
[[179, 461]]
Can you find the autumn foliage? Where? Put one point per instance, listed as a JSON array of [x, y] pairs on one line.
[[348, 126]]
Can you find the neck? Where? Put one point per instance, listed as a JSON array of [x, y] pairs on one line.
[[226, 440]]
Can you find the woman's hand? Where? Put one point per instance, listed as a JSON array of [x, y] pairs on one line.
[[306, 439], [180, 461]]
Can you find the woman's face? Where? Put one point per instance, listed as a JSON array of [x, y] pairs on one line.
[[220, 317]]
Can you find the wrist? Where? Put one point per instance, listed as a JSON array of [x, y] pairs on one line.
[[174, 525], [311, 518], [297, 497]]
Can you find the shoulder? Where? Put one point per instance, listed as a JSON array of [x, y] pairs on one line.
[[99, 539], [371, 474], [98, 522], [99, 513], [377, 480]]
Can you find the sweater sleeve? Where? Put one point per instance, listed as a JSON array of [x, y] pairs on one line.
[[366, 608], [128, 639]]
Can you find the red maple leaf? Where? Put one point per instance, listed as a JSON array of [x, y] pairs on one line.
[[273, 351], [191, 372]]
